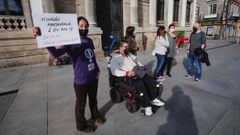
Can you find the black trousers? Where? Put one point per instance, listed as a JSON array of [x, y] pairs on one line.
[[148, 88], [82, 90], [168, 63]]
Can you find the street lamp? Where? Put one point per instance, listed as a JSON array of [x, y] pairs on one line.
[[223, 18]]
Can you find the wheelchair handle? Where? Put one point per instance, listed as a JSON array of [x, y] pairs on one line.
[[112, 44]]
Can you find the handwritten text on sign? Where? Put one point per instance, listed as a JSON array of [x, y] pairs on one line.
[[56, 29]]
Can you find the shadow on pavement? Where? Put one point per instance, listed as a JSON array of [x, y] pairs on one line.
[[106, 107], [103, 111], [180, 119], [149, 67]]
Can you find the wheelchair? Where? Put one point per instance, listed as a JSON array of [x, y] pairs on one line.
[[122, 88]]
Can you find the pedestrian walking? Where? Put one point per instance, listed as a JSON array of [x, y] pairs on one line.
[[86, 73], [161, 45], [237, 27], [197, 40], [171, 51]]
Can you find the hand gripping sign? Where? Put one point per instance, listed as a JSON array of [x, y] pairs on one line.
[[56, 29]]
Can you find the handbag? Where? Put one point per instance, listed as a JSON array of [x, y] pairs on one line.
[[139, 71]]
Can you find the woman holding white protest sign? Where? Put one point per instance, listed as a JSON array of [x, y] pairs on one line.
[[86, 73]]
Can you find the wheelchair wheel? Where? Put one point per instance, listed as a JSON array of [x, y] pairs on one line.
[[133, 105], [116, 96]]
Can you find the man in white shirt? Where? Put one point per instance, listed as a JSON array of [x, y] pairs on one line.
[[124, 65]]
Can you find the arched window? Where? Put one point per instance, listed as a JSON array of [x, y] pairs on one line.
[[11, 7], [175, 10], [160, 10]]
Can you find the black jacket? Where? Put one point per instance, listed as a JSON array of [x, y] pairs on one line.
[[203, 56]]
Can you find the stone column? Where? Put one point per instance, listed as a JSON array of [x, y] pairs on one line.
[[134, 12], [90, 12], [194, 11], [183, 17], [236, 8], [80, 8], [170, 12], [152, 13], [87, 8], [47, 5], [27, 14]]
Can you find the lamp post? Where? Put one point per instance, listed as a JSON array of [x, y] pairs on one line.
[[226, 15], [223, 27]]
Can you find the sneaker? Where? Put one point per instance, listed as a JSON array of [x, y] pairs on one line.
[[188, 76], [87, 129], [148, 111], [157, 102], [197, 80], [99, 121], [169, 75], [160, 79]]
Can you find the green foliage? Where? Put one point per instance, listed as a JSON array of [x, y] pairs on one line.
[[200, 19]]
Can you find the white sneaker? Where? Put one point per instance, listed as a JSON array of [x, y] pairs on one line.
[[197, 80], [160, 79], [157, 102], [148, 111], [188, 76]]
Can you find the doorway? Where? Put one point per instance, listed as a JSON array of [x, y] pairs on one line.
[[110, 19]]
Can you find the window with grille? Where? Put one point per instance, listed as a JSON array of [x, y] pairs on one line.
[[212, 9]]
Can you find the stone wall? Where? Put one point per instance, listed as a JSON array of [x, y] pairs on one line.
[[65, 6], [20, 48]]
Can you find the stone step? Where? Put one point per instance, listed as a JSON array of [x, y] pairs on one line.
[[7, 49], [4, 63], [8, 55], [17, 42]]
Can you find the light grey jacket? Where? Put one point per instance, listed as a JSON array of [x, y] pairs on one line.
[[171, 52]]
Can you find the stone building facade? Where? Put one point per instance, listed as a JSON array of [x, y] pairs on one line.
[[218, 18], [18, 46]]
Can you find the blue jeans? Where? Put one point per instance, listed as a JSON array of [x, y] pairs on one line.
[[194, 61], [160, 60]]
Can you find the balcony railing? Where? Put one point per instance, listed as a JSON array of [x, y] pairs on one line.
[[12, 23]]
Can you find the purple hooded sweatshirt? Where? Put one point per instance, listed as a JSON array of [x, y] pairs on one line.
[[83, 58]]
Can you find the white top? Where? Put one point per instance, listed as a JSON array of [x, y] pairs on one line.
[[161, 45], [120, 64]]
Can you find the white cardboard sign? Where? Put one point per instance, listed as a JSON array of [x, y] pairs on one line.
[[56, 29]]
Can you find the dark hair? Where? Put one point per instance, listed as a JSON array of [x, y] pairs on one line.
[[82, 18], [130, 30], [171, 26], [120, 44], [160, 28]]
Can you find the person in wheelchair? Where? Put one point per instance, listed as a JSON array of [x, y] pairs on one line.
[[125, 64]]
